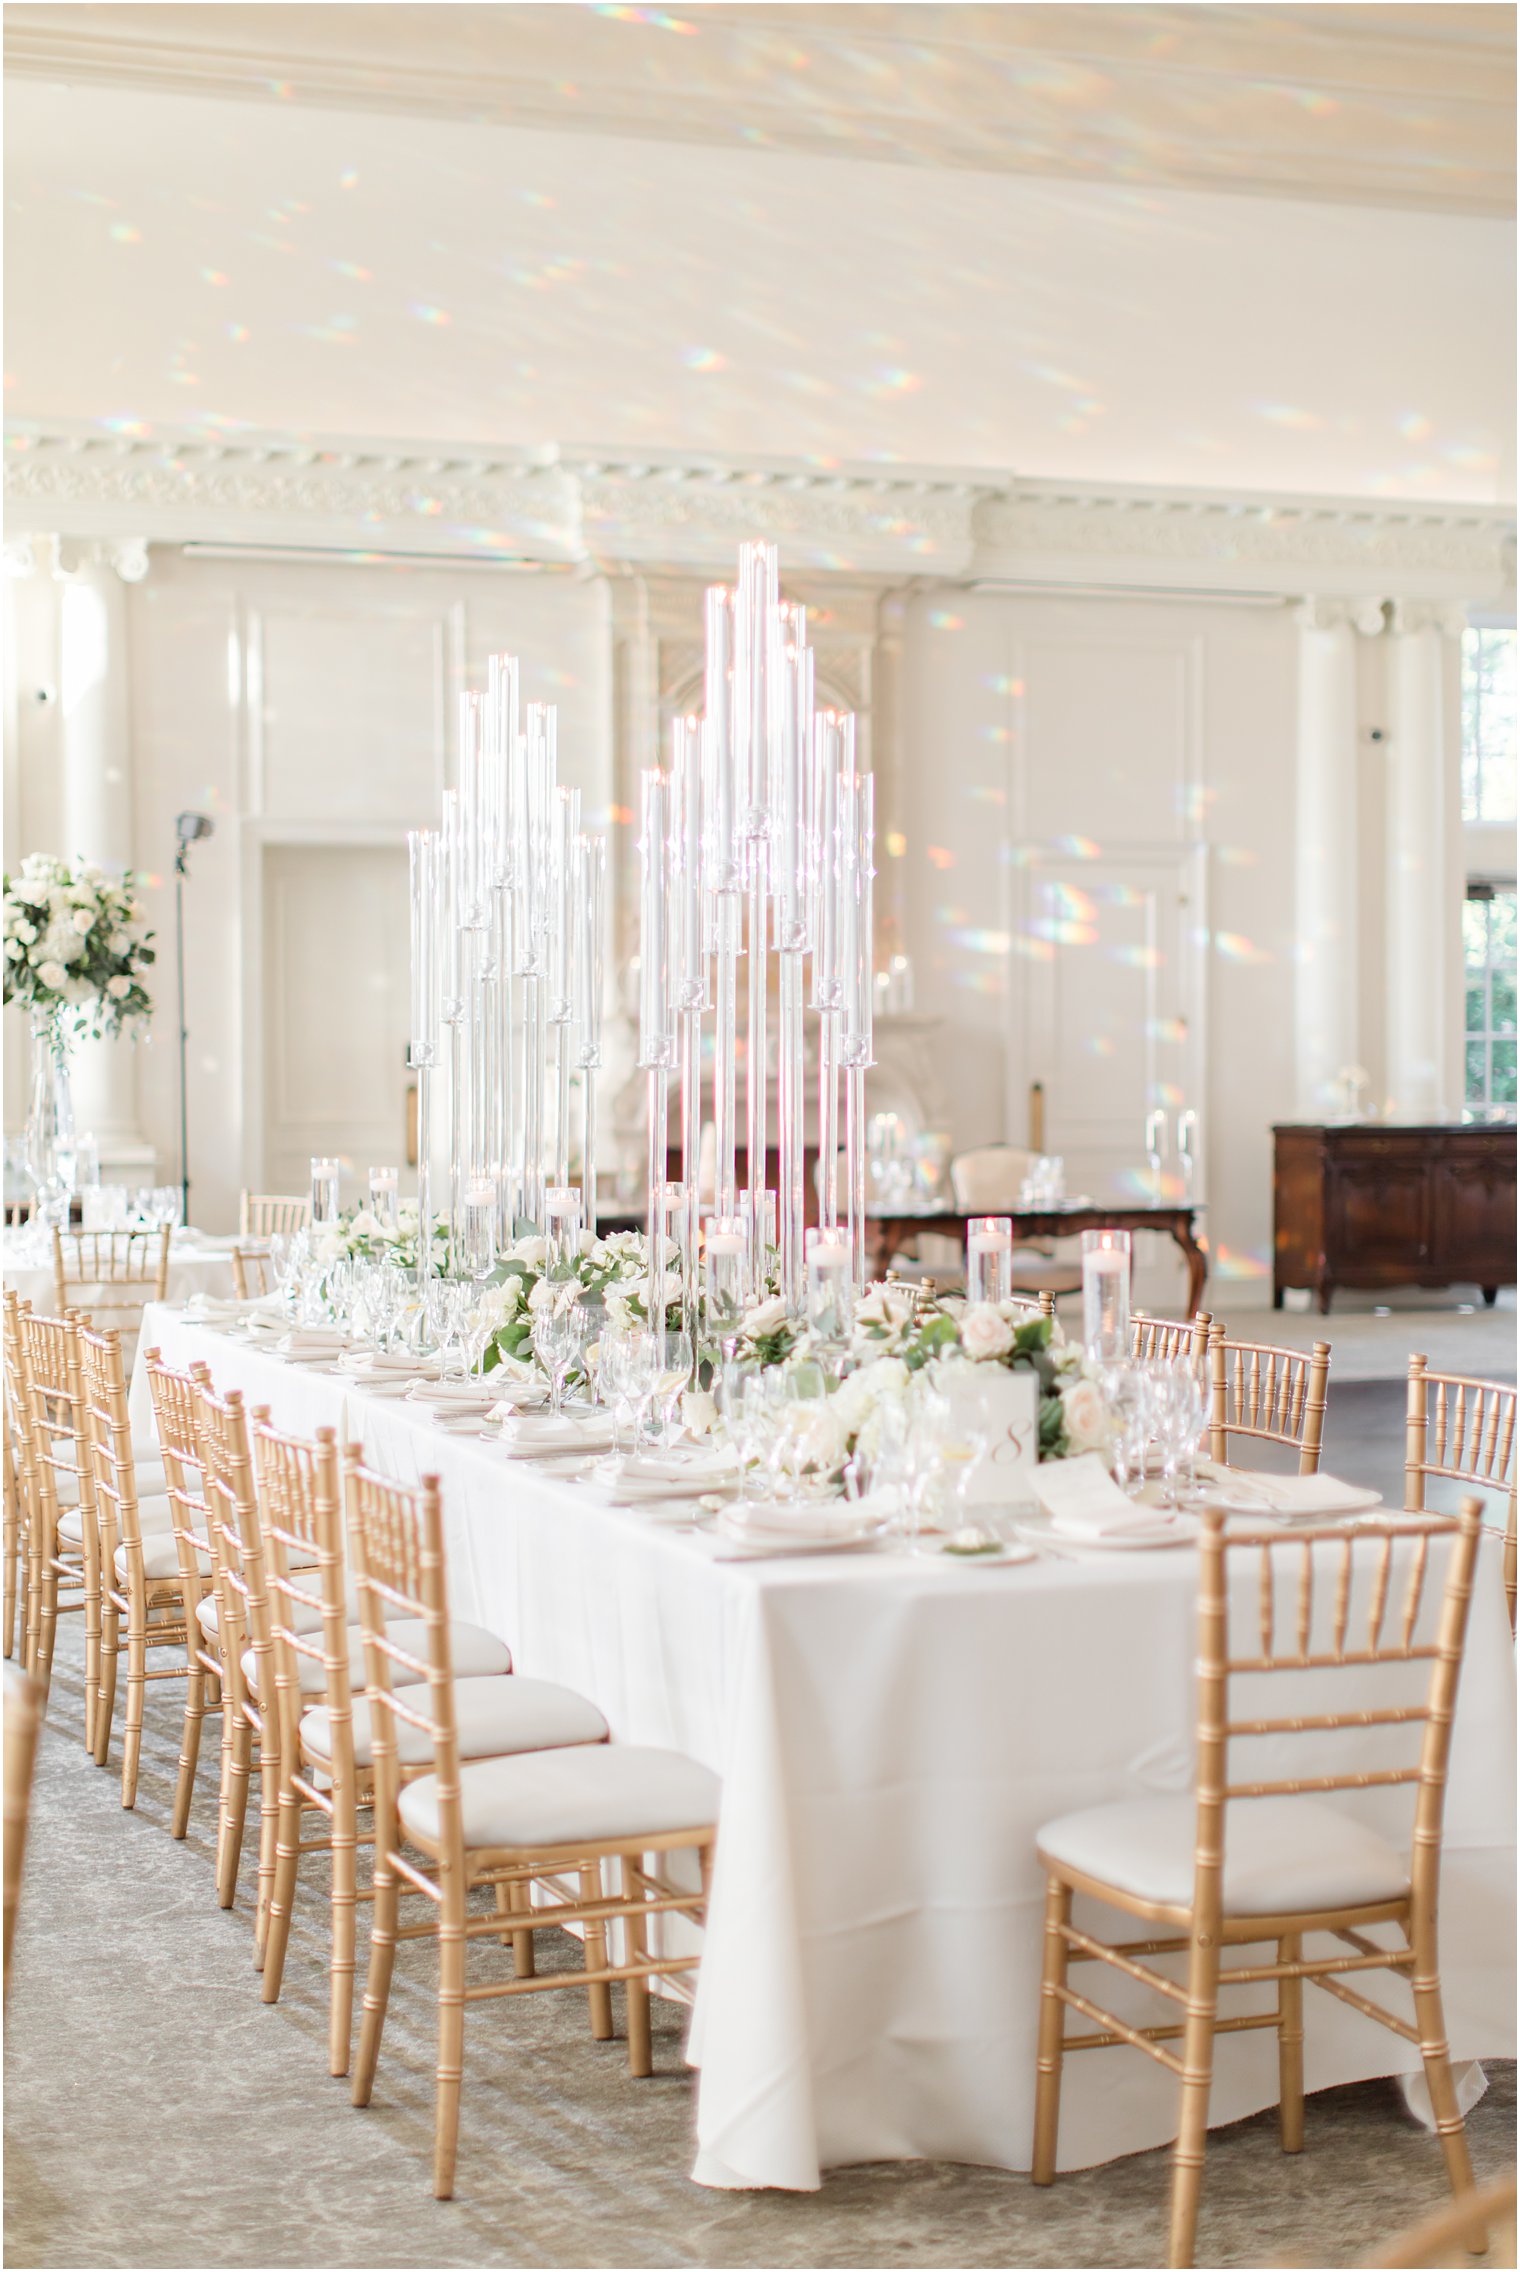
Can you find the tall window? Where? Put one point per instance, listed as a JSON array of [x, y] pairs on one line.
[[1488, 727], [1488, 938]]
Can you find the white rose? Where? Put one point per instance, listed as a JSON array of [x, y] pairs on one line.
[[533, 1253], [766, 1317], [118, 987], [82, 920], [587, 1243], [52, 975], [983, 1333], [699, 1412], [542, 1295], [501, 1301], [1085, 1417], [27, 933]]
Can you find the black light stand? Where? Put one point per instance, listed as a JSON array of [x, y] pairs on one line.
[[190, 828]]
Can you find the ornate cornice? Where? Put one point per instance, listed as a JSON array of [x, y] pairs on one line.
[[686, 514]]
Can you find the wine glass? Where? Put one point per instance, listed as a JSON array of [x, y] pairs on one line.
[[556, 1340], [1182, 1425], [1127, 1392], [673, 1361]]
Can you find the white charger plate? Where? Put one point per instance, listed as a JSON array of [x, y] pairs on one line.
[[1158, 1537]]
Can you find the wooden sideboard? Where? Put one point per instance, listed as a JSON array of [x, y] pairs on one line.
[[1370, 1206]]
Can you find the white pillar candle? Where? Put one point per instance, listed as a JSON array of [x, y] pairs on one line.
[[989, 1258], [1105, 1295]]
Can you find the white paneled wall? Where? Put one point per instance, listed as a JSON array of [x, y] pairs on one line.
[[1099, 851]]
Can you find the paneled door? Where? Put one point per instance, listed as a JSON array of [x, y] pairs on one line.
[[335, 1011], [1107, 1005]]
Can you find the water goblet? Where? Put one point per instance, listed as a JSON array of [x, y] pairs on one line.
[[556, 1341], [672, 1373]]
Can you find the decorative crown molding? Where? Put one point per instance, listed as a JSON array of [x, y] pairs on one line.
[[661, 509]]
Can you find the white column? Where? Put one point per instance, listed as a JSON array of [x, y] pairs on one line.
[[1325, 1006], [97, 813], [1425, 862]]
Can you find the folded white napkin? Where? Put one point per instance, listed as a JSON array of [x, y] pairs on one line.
[[475, 1395], [312, 1341], [213, 1308], [542, 1432], [516, 1384], [1083, 1501], [1296, 1495], [816, 1518], [390, 1363], [667, 1467]]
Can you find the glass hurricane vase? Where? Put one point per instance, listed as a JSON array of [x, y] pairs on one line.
[[50, 1156]]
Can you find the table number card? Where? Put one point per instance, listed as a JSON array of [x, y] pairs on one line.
[[1003, 1405]]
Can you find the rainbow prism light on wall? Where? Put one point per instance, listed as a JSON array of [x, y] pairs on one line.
[[757, 844]]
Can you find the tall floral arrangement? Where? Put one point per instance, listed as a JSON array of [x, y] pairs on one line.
[[77, 949]]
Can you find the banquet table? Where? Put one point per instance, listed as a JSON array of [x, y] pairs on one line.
[[199, 1263], [891, 1733]]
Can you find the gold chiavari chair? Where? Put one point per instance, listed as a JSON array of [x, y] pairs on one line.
[[1028, 1306], [304, 1621], [141, 1578], [232, 1518], [547, 1818], [16, 1471], [1442, 2239], [23, 1726], [175, 1399], [1273, 1396], [20, 1442], [63, 1557], [263, 1214], [1261, 1860], [1161, 1339], [1463, 1431], [119, 1272], [251, 1279]]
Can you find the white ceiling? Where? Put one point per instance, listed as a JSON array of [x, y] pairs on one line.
[[1404, 105], [192, 260]]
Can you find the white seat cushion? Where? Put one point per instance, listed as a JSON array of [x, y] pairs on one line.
[[586, 1797], [473, 1650], [1280, 1855], [493, 1717], [150, 1477], [297, 1615], [152, 1515], [159, 1553]]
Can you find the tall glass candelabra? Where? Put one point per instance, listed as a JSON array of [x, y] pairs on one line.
[[759, 842], [508, 908]]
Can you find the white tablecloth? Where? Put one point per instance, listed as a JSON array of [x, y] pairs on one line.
[[200, 1265], [891, 1735]]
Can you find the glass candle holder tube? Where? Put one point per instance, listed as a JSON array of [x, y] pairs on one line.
[[562, 1225], [326, 1177], [725, 1272], [1105, 1295], [830, 1303], [989, 1258], [384, 1196], [477, 1236]]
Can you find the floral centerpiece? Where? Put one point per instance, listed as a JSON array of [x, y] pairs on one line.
[[76, 950], [611, 1273], [360, 1236], [76, 947]]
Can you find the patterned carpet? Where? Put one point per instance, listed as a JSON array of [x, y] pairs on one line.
[[157, 2114]]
